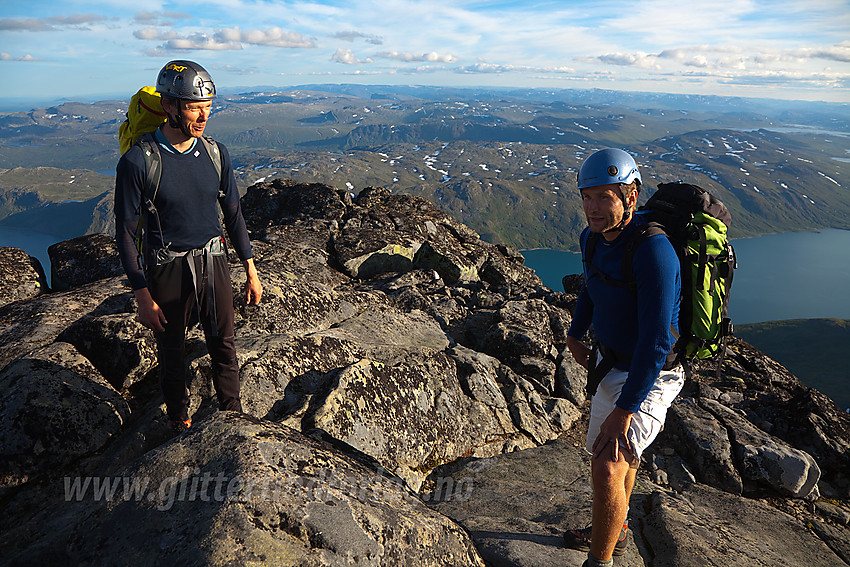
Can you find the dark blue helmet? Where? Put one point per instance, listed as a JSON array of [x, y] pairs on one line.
[[185, 80]]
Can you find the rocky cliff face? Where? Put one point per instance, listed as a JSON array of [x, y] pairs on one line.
[[408, 400]]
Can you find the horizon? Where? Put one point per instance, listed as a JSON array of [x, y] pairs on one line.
[[750, 49], [13, 104]]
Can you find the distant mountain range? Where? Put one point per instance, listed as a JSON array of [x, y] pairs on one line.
[[500, 160]]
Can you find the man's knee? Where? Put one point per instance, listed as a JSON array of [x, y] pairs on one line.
[[605, 471]]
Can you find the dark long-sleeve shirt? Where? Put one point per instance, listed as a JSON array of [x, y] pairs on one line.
[[187, 204], [640, 324]]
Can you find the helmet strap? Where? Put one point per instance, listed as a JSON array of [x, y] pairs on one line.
[[177, 122], [627, 214]]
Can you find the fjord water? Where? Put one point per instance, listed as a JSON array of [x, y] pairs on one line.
[[793, 275]]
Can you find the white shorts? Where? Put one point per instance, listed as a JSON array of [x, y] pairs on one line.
[[648, 422]]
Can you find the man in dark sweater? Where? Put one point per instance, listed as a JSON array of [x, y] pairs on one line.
[[634, 326], [184, 264]]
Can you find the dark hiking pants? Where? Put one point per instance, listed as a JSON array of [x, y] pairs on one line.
[[172, 287]]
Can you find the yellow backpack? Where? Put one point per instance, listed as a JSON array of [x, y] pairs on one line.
[[145, 114]]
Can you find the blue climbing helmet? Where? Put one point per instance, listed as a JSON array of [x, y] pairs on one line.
[[610, 165]]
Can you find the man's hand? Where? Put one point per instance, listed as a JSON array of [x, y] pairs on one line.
[[614, 431], [580, 352], [253, 287], [150, 315]]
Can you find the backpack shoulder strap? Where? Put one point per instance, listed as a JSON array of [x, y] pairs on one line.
[[642, 233], [589, 268], [215, 156], [153, 168]]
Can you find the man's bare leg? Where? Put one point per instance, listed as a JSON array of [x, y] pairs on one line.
[[612, 487]]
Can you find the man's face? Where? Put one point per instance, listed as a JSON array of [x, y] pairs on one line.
[[603, 206], [194, 117]]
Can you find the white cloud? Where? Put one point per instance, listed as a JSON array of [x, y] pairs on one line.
[[839, 52], [732, 61], [25, 24], [638, 59], [200, 41], [670, 42], [7, 57], [54, 23], [272, 37], [228, 39], [158, 17], [347, 57], [155, 34], [488, 68], [432, 57], [353, 35]]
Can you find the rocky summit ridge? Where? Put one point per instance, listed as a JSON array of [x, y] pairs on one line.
[[408, 401]]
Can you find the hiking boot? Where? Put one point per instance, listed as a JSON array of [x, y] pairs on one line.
[[580, 539], [178, 426]]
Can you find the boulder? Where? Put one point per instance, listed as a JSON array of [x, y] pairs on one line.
[[365, 253], [570, 378], [120, 347], [237, 489], [504, 269], [29, 325], [21, 276], [766, 459], [411, 416], [56, 408], [83, 260], [703, 443], [283, 200]]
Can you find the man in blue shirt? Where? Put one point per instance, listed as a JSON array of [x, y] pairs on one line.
[[634, 319], [185, 266]]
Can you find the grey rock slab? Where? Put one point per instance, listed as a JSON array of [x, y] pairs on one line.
[[236, 490], [410, 416], [34, 323], [382, 330], [517, 506], [706, 527], [120, 347]]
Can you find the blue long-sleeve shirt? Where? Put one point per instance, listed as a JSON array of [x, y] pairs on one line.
[[187, 203], [640, 324]]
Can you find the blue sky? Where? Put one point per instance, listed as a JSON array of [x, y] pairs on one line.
[[777, 49]]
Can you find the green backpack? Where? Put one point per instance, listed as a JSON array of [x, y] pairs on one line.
[[696, 223]]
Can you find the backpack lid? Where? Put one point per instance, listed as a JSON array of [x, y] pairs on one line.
[[144, 114], [678, 199]]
